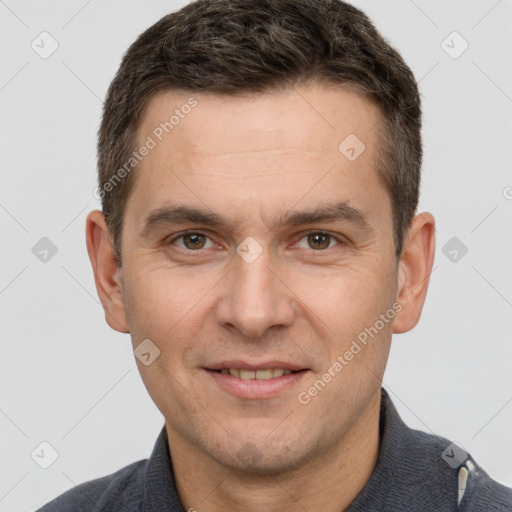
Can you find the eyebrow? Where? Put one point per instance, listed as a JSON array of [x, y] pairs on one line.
[[179, 214], [328, 213], [170, 215]]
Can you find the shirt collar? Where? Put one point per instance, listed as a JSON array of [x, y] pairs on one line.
[[159, 491], [410, 471]]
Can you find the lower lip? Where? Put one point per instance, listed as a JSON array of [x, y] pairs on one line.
[[256, 388]]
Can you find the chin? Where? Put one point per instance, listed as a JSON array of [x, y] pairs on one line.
[[261, 457]]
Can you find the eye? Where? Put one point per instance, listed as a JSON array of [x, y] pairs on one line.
[[192, 241], [317, 241]]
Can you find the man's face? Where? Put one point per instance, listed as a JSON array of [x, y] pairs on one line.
[[257, 279]]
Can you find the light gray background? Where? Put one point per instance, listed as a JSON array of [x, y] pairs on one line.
[[68, 379]]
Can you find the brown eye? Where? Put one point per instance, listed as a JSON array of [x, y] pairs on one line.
[[194, 241], [319, 241]]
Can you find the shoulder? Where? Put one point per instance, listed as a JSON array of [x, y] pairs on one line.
[[118, 491], [429, 472], [148, 484], [476, 490]]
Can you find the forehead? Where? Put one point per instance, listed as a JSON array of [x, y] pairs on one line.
[[267, 151], [303, 115]]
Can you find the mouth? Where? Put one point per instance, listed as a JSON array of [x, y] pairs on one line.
[[267, 380], [268, 373]]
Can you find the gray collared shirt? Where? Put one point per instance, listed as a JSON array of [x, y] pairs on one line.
[[415, 471]]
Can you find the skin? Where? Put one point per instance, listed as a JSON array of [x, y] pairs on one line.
[[252, 160]]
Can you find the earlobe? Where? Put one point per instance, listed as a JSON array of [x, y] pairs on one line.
[[414, 271], [107, 275]]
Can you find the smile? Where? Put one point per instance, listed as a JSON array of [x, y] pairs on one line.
[[258, 374], [255, 384]]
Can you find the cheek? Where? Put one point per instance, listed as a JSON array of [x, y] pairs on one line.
[[163, 300], [347, 299], [169, 311]]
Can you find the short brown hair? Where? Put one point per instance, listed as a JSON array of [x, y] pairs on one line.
[[238, 47]]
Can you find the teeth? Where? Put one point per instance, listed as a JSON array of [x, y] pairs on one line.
[[264, 374], [247, 374], [259, 374]]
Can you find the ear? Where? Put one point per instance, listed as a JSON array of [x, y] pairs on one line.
[[414, 271], [107, 275]]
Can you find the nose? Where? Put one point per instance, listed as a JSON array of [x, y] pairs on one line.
[[254, 298]]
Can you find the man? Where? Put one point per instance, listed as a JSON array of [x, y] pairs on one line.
[[259, 170]]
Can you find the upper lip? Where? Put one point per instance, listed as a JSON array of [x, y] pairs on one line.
[[244, 365]]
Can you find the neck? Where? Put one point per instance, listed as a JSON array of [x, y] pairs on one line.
[[329, 482]]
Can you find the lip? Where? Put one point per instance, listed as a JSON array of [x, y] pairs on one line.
[[254, 388], [244, 365]]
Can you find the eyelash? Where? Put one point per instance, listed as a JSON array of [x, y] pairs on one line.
[[339, 241]]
